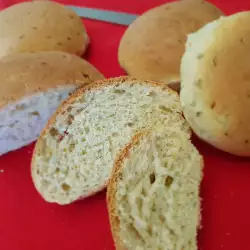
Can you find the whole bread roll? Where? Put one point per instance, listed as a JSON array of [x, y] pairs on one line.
[[32, 85], [41, 26], [153, 194], [215, 75], [152, 46]]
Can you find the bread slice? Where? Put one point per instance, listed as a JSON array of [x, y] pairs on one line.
[[153, 194], [74, 155], [32, 87], [41, 26]]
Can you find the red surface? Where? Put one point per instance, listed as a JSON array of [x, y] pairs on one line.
[[28, 223]]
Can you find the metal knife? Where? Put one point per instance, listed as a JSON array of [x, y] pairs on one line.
[[114, 17]]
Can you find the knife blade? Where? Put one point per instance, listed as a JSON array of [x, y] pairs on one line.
[[109, 16]]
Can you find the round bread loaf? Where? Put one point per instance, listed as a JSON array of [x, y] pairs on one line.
[[32, 85], [41, 26], [215, 91], [153, 45]]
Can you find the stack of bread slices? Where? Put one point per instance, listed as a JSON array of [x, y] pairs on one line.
[[136, 126]]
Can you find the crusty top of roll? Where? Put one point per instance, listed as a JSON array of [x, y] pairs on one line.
[[41, 26], [26, 73], [153, 45], [216, 83]]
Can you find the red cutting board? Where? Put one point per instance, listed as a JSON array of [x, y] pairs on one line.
[[28, 223]]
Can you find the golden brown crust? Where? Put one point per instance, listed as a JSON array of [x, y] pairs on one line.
[[41, 26], [26, 73], [153, 45], [112, 188], [224, 87]]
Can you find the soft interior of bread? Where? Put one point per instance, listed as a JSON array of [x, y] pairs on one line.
[[22, 122], [157, 199], [74, 159]]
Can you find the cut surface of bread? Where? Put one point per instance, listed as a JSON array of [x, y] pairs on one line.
[[32, 87], [74, 155], [22, 122], [153, 194], [41, 26], [152, 46]]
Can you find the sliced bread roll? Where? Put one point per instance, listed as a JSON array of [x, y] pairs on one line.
[[74, 155], [152, 46], [41, 26], [153, 194], [32, 87]]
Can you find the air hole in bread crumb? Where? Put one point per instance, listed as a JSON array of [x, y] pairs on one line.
[[168, 181], [53, 132], [78, 33], [134, 230], [139, 202], [119, 91], [59, 44], [82, 100], [200, 56], [34, 28], [198, 114], [246, 141], [69, 38], [215, 61], [213, 104], [71, 147], [130, 124], [152, 94], [35, 113], [48, 37], [226, 134], [198, 83], [20, 107], [69, 109], [70, 119], [165, 109], [152, 178], [21, 37], [193, 104], [242, 40], [162, 218], [85, 75], [65, 187]]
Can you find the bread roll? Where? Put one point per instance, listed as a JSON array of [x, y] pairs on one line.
[[215, 75], [32, 85], [153, 194], [153, 45], [41, 26], [74, 156]]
